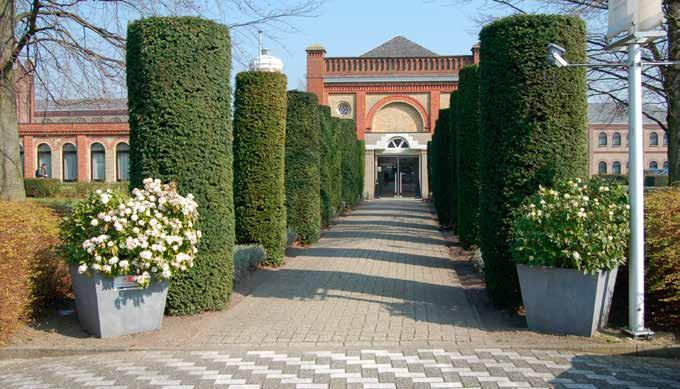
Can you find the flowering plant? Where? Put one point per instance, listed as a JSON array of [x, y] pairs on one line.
[[578, 225], [149, 234]]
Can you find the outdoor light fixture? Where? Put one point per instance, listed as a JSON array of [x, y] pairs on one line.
[[556, 55]]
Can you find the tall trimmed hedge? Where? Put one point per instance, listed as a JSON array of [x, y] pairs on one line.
[[330, 166], [441, 168], [303, 138], [180, 130], [533, 128], [467, 156], [259, 156], [352, 179], [454, 128]]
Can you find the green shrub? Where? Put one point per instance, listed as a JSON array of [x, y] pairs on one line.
[[453, 122], [303, 138], [361, 161], [259, 156], [41, 187], [32, 274], [247, 257], [179, 103], [330, 169], [350, 166], [574, 225], [533, 128], [662, 261], [467, 156], [441, 165]]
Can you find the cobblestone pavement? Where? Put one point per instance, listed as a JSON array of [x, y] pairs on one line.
[[382, 274], [433, 368]]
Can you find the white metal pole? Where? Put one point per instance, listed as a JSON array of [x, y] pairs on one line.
[[636, 297]]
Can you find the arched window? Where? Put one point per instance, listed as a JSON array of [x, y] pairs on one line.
[[616, 139], [602, 168], [665, 165], [616, 167], [397, 143], [602, 139], [653, 165], [45, 158], [665, 139], [21, 159], [122, 162], [653, 139], [70, 162], [98, 162]]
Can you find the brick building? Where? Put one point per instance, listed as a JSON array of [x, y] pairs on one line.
[[393, 92]]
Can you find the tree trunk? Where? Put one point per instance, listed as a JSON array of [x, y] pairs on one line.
[[672, 86], [11, 180]]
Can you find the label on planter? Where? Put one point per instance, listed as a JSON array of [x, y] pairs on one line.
[[125, 282]]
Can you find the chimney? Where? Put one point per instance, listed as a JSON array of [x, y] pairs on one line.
[[316, 67]]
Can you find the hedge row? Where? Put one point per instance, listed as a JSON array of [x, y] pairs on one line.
[[51, 187], [259, 158], [352, 152], [531, 131], [330, 166], [440, 166], [303, 138], [467, 157], [179, 100]]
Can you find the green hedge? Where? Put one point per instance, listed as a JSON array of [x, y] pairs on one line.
[[533, 128], [330, 166], [259, 156], [303, 138], [50, 187], [179, 103], [467, 156], [352, 178], [441, 165]]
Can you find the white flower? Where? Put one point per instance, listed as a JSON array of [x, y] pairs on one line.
[[82, 269], [146, 254], [105, 198], [113, 260], [117, 226], [94, 222], [576, 255], [124, 264]]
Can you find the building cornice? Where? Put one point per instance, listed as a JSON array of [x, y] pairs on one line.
[[71, 129]]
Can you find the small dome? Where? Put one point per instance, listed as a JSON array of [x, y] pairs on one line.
[[266, 63]]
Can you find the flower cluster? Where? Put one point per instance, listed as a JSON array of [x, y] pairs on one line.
[[578, 225], [149, 234]]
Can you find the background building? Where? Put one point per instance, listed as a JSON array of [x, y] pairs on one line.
[[393, 93]]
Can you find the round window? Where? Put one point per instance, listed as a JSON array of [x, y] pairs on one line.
[[344, 109]]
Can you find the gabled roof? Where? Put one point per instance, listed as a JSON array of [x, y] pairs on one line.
[[399, 47]]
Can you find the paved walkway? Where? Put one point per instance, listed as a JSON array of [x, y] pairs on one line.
[[379, 302], [382, 274]]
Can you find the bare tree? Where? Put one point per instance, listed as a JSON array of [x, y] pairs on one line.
[[76, 48]]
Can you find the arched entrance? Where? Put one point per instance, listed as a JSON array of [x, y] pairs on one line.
[[397, 170]]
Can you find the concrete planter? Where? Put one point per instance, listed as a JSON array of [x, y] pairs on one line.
[[566, 301], [109, 307]]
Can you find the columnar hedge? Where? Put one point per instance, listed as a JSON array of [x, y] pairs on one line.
[[441, 168], [303, 138], [180, 130], [453, 123], [352, 161], [533, 128], [467, 156], [259, 156], [330, 166]]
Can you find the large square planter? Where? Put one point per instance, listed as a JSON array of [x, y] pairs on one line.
[[566, 301], [108, 308]]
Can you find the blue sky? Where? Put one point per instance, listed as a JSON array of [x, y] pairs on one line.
[[352, 27]]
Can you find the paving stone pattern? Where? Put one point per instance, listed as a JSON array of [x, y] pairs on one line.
[[380, 276], [424, 368]]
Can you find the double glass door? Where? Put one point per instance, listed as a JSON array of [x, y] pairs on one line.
[[398, 176]]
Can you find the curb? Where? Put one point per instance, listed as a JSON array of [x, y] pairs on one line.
[[637, 350]]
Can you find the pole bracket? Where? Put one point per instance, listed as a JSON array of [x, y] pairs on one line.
[[639, 334]]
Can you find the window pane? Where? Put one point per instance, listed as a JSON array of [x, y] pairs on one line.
[[98, 166], [70, 161], [602, 168], [123, 163], [45, 157], [616, 168]]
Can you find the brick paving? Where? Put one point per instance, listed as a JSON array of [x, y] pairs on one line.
[[380, 276], [423, 368]]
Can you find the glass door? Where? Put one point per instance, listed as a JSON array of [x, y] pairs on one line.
[[397, 176]]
